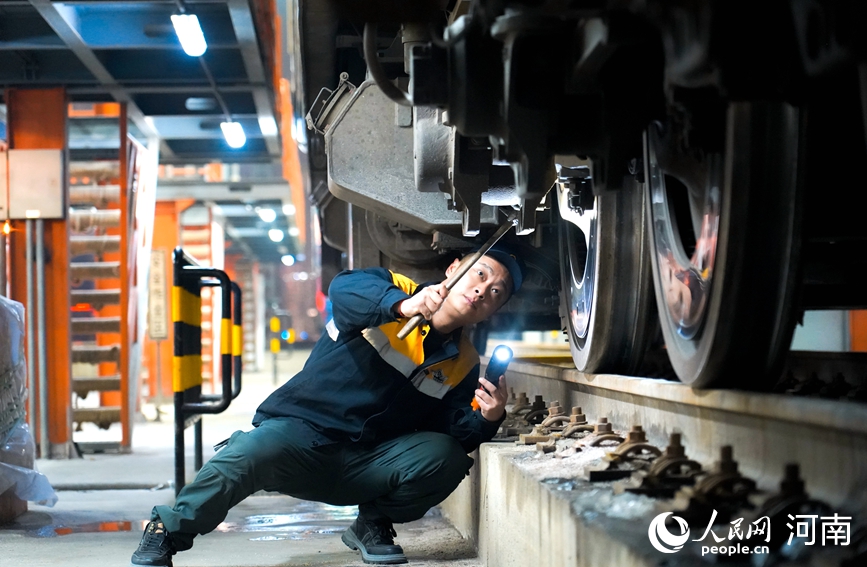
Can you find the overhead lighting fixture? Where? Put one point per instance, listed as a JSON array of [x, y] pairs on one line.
[[267, 215], [268, 126], [288, 209], [294, 231], [190, 34], [288, 260], [234, 134], [275, 234], [200, 103]]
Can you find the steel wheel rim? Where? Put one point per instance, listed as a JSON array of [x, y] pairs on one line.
[[685, 275], [580, 229]]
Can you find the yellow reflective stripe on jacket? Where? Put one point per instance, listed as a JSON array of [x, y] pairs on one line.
[[407, 355], [438, 379], [405, 284], [403, 355]]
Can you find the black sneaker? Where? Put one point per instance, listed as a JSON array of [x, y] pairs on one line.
[[155, 547], [375, 540]]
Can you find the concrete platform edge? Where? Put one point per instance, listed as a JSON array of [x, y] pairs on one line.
[[511, 517]]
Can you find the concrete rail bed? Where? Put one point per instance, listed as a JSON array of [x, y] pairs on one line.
[[522, 506]]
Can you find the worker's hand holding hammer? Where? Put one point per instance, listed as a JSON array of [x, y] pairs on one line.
[[425, 303]]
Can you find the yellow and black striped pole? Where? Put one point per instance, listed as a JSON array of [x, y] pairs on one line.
[[237, 340], [274, 325], [188, 280], [187, 321]]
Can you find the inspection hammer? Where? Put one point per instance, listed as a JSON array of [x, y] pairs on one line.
[[466, 263]]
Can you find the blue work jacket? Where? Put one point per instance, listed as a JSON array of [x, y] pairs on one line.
[[362, 383]]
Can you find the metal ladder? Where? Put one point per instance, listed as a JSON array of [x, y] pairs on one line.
[[95, 270]]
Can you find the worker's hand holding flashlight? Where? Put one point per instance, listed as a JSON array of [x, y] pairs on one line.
[[425, 303], [492, 397]]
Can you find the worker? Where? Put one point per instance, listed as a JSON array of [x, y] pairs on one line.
[[370, 420]]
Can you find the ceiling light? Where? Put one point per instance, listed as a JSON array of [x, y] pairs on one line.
[[275, 234], [294, 231], [234, 134], [288, 209], [268, 126], [288, 260], [200, 103], [267, 215], [190, 34]]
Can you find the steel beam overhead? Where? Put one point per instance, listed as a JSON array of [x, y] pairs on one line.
[[245, 31], [54, 16]]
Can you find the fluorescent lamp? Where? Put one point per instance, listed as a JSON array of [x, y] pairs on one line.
[[234, 134], [190, 34], [267, 215], [288, 209], [268, 126], [275, 234], [288, 260], [294, 231]]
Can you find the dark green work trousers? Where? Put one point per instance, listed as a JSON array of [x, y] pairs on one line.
[[400, 478]]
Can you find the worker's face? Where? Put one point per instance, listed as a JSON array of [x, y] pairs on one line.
[[478, 295]]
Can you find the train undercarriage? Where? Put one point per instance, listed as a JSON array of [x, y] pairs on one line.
[[681, 170]]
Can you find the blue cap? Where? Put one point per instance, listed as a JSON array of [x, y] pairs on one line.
[[510, 260]]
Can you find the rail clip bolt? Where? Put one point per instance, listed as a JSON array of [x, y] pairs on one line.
[[792, 484], [637, 435], [555, 409], [727, 464], [675, 447], [603, 426], [577, 418]]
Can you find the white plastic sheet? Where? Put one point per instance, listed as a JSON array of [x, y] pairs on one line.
[[13, 371], [17, 449], [27, 484]]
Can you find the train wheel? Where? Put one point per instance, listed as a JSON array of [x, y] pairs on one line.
[[725, 231], [606, 302]]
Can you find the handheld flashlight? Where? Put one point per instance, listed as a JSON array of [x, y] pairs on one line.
[[500, 360]]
